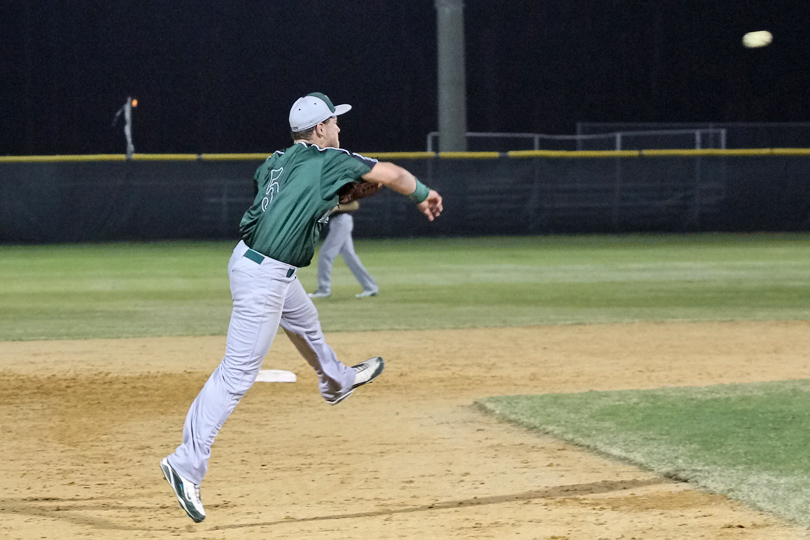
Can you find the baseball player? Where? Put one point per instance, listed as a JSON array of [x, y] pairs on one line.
[[296, 189], [339, 240]]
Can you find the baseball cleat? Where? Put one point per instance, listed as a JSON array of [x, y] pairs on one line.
[[320, 294], [365, 372], [366, 294], [340, 398], [187, 492]]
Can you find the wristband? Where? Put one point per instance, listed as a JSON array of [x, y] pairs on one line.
[[420, 193]]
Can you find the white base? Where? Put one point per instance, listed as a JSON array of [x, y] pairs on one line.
[[275, 375]]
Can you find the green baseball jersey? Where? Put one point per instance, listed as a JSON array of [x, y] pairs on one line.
[[296, 189]]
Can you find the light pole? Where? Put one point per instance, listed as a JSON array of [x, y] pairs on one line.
[[451, 79]]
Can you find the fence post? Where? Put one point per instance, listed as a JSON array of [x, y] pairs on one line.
[[695, 213], [617, 195]]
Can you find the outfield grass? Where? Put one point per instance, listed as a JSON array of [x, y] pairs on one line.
[[181, 288], [748, 441]]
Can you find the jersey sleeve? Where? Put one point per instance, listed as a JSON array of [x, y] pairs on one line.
[[342, 167]]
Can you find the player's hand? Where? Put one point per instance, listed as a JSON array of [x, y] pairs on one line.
[[432, 206]]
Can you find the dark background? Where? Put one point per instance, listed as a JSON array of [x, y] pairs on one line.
[[221, 76]]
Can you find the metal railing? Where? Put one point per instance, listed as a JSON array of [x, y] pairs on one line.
[[696, 139], [737, 134]]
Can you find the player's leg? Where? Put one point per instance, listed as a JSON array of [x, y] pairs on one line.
[[326, 257], [259, 292], [300, 322], [353, 262]]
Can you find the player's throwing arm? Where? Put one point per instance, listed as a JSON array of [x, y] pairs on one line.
[[400, 180]]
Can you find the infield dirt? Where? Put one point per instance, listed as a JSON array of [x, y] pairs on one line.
[[84, 424]]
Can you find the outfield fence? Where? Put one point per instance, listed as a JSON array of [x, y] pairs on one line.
[[52, 199]]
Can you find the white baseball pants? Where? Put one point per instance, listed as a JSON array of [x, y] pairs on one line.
[[265, 295], [339, 241]]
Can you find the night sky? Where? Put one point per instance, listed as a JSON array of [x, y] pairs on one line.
[[221, 76]]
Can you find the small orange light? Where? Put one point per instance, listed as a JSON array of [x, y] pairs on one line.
[[134, 102]]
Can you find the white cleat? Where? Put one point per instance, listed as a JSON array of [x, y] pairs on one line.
[[320, 294], [366, 294], [364, 373], [187, 492]]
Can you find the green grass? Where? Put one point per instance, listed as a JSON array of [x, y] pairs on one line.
[[181, 288], [113, 290], [748, 441]]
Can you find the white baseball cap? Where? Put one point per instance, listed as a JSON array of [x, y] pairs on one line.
[[312, 109]]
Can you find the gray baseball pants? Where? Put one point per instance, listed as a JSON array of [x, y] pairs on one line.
[[265, 295], [339, 241]]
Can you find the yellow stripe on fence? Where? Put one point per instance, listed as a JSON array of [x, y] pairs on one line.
[[47, 159], [165, 157], [469, 155], [235, 157], [572, 153], [399, 155], [554, 154], [791, 151], [709, 152]]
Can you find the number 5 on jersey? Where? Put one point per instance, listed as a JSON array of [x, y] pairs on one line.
[[273, 187]]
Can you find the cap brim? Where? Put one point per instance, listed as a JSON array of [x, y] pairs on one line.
[[340, 109]]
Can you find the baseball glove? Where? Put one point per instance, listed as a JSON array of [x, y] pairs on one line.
[[357, 190]]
